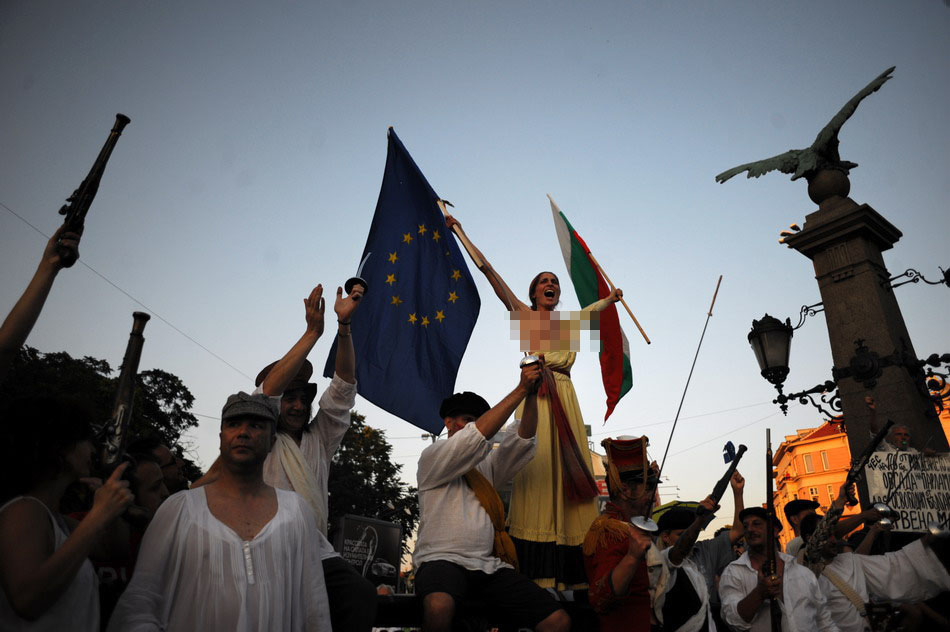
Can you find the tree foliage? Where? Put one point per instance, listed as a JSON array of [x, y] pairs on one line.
[[364, 481], [162, 401]]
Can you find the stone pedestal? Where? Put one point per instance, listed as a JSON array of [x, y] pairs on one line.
[[844, 240]]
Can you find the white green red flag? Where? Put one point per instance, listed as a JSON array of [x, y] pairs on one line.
[[590, 286]]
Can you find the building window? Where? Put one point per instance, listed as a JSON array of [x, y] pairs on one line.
[[831, 494], [809, 467], [824, 460], [813, 492]]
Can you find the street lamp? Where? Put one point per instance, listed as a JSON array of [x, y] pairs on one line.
[[771, 341]]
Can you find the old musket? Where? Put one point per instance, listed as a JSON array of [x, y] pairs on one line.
[[77, 204], [723, 482], [770, 568], [115, 432], [825, 527]]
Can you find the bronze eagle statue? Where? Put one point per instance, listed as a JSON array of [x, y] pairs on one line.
[[823, 153]]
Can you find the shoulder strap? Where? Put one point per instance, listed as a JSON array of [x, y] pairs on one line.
[[846, 590]]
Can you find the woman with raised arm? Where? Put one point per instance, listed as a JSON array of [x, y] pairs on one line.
[[547, 525]]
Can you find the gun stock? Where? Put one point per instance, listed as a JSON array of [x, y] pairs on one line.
[[116, 434]]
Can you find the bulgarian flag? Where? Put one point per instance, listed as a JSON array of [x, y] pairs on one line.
[[590, 286]]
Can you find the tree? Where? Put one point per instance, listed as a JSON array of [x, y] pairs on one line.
[[364, 481], [162, 401]]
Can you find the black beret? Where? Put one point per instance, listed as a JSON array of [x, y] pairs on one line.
[[676, 518], [466, 403]]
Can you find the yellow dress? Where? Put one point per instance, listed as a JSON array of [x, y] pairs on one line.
[[548, 528]]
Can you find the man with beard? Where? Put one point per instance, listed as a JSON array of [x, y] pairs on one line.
[[746, 592], [235, 554]]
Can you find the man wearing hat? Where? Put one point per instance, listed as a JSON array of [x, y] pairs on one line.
[[235, 554], [462, 550], [745, 591], [305, 444], [614, 550], [795, 511], [681, 601]]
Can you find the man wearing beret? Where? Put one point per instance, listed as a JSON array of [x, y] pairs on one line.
[[746, 591], [681, 600], [300, 460], [462, 550]]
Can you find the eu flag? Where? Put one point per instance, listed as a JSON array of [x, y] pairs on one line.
[[417, 316]]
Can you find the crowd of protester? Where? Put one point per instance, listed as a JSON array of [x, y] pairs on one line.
[[244, 547]]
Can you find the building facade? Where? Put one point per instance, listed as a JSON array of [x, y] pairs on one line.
[[811, 465]]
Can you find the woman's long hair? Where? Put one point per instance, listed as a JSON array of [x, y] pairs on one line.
[[38, 431]]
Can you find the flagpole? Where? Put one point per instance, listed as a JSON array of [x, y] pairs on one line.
[[469, 246], [612, 287]]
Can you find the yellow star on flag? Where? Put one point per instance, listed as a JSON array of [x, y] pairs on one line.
[[390, 279], [412, 319], [422, 229], [407, 238], [425, 321], [393, 258], [453, 297], [436, 236], [396, 301], [456, 275], [439, 315]]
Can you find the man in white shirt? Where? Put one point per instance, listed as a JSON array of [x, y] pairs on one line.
[[462, 550], [849, 580], [300, 460], [795, 511], [746, 592], [681, 601], [235, 554]]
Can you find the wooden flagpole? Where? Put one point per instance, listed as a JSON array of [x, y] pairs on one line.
[[612, 287], [469, 247]]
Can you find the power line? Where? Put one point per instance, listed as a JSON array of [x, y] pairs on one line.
[[132, 298], [668, 422]]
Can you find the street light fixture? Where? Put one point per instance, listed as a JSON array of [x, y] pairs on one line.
[[771, 341]]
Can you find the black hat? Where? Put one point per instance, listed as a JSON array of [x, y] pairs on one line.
[[466, 403], [676, 518], [797, 506], [300, 381], [759, 512]]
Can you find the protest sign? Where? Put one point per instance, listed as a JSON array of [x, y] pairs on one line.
[[914, 485]]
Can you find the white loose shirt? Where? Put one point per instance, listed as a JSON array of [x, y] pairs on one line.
[[453, 525], [195, 573], [803, 605], [912, 574], [318, 444]]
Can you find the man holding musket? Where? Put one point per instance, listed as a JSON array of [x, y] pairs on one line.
[[746, 591], [462, 549]]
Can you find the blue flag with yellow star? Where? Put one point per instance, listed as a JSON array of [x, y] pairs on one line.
[[416, 318]]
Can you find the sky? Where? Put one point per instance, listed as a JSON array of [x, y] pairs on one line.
[[251, 168]]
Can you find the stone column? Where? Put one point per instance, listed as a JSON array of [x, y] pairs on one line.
[[844, 240]]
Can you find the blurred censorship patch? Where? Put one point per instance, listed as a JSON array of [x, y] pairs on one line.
[[543, 331]]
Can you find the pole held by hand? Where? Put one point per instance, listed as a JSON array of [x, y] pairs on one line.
[[469, 247], [612, 288]]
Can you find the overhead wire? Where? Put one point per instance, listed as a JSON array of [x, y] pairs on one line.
[[134, 299]]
